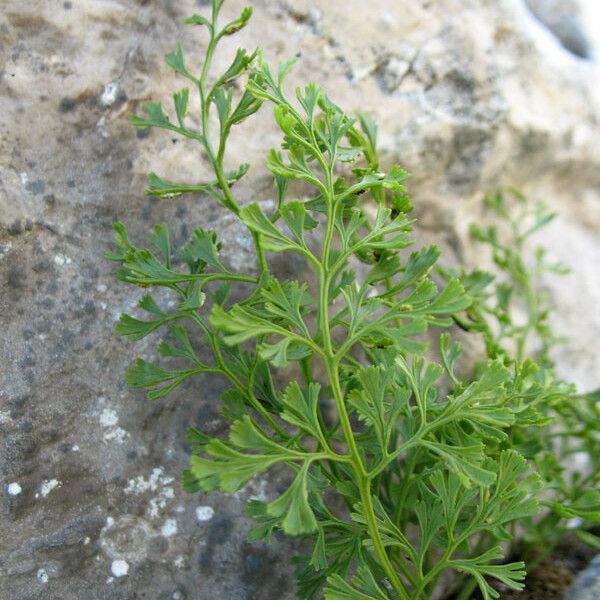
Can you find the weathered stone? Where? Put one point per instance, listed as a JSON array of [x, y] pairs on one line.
[[587, 584], [469, 96]]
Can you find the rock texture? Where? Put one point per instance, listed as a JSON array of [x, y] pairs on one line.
[[470, 96], [587, 583]]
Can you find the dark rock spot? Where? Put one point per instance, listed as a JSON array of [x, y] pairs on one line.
[[16, 227], [26, 427], [28, 361], [143, 133], [469, 148], [67, 105], [42, 264], [52, 288], [259, 566], [158, 546], [43, 325], [220, 528], [253, 563], [36, 187], [47, 303], [15, 278]]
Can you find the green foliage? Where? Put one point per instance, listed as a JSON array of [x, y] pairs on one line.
[[553, 422], [433, 472]]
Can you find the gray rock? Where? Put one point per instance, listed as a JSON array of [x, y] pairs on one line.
[[587, 584], [564, 19], [469, 96]]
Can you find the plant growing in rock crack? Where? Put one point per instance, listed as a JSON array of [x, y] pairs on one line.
[[512, 316], [417, 473]]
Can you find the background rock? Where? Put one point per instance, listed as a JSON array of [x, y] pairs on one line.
[[469, 96], [587, 583]]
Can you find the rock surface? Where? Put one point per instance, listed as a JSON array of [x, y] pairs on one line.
[[587, 584], [469, 96]]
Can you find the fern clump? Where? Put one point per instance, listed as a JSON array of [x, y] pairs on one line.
[[419, 472]]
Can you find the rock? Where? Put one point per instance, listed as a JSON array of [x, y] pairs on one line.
[[587, 584], [469, 96], [565, 20]]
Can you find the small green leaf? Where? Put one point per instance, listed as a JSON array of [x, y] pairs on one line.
[[194, 298], [589, 538], [160, 239], [293, 506], [176, 61], [288, 301], [165, 189], [511, 575], [239, 23], [146, 375], [452, 299], [180, 100], [184, 349], [284, 351], [465, 461], [156, 117], [301, 408], [273, 239], [297, 219], [136, 329], [196, 19], [202, 250]]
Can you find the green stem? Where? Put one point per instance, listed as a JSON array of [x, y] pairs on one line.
[[217, 160], [332, 366]]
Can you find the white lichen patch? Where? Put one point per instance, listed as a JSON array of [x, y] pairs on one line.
[[119, 567], [60, 260], [169, 528], [179, 562], [109, 94], [108, 417], [159, 503], [139, 485], [117, 434], [47, 486], [5, 417], [155, 483], [4, 249], [204, 513], [42, 575], [13, 489], [255, 489]]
